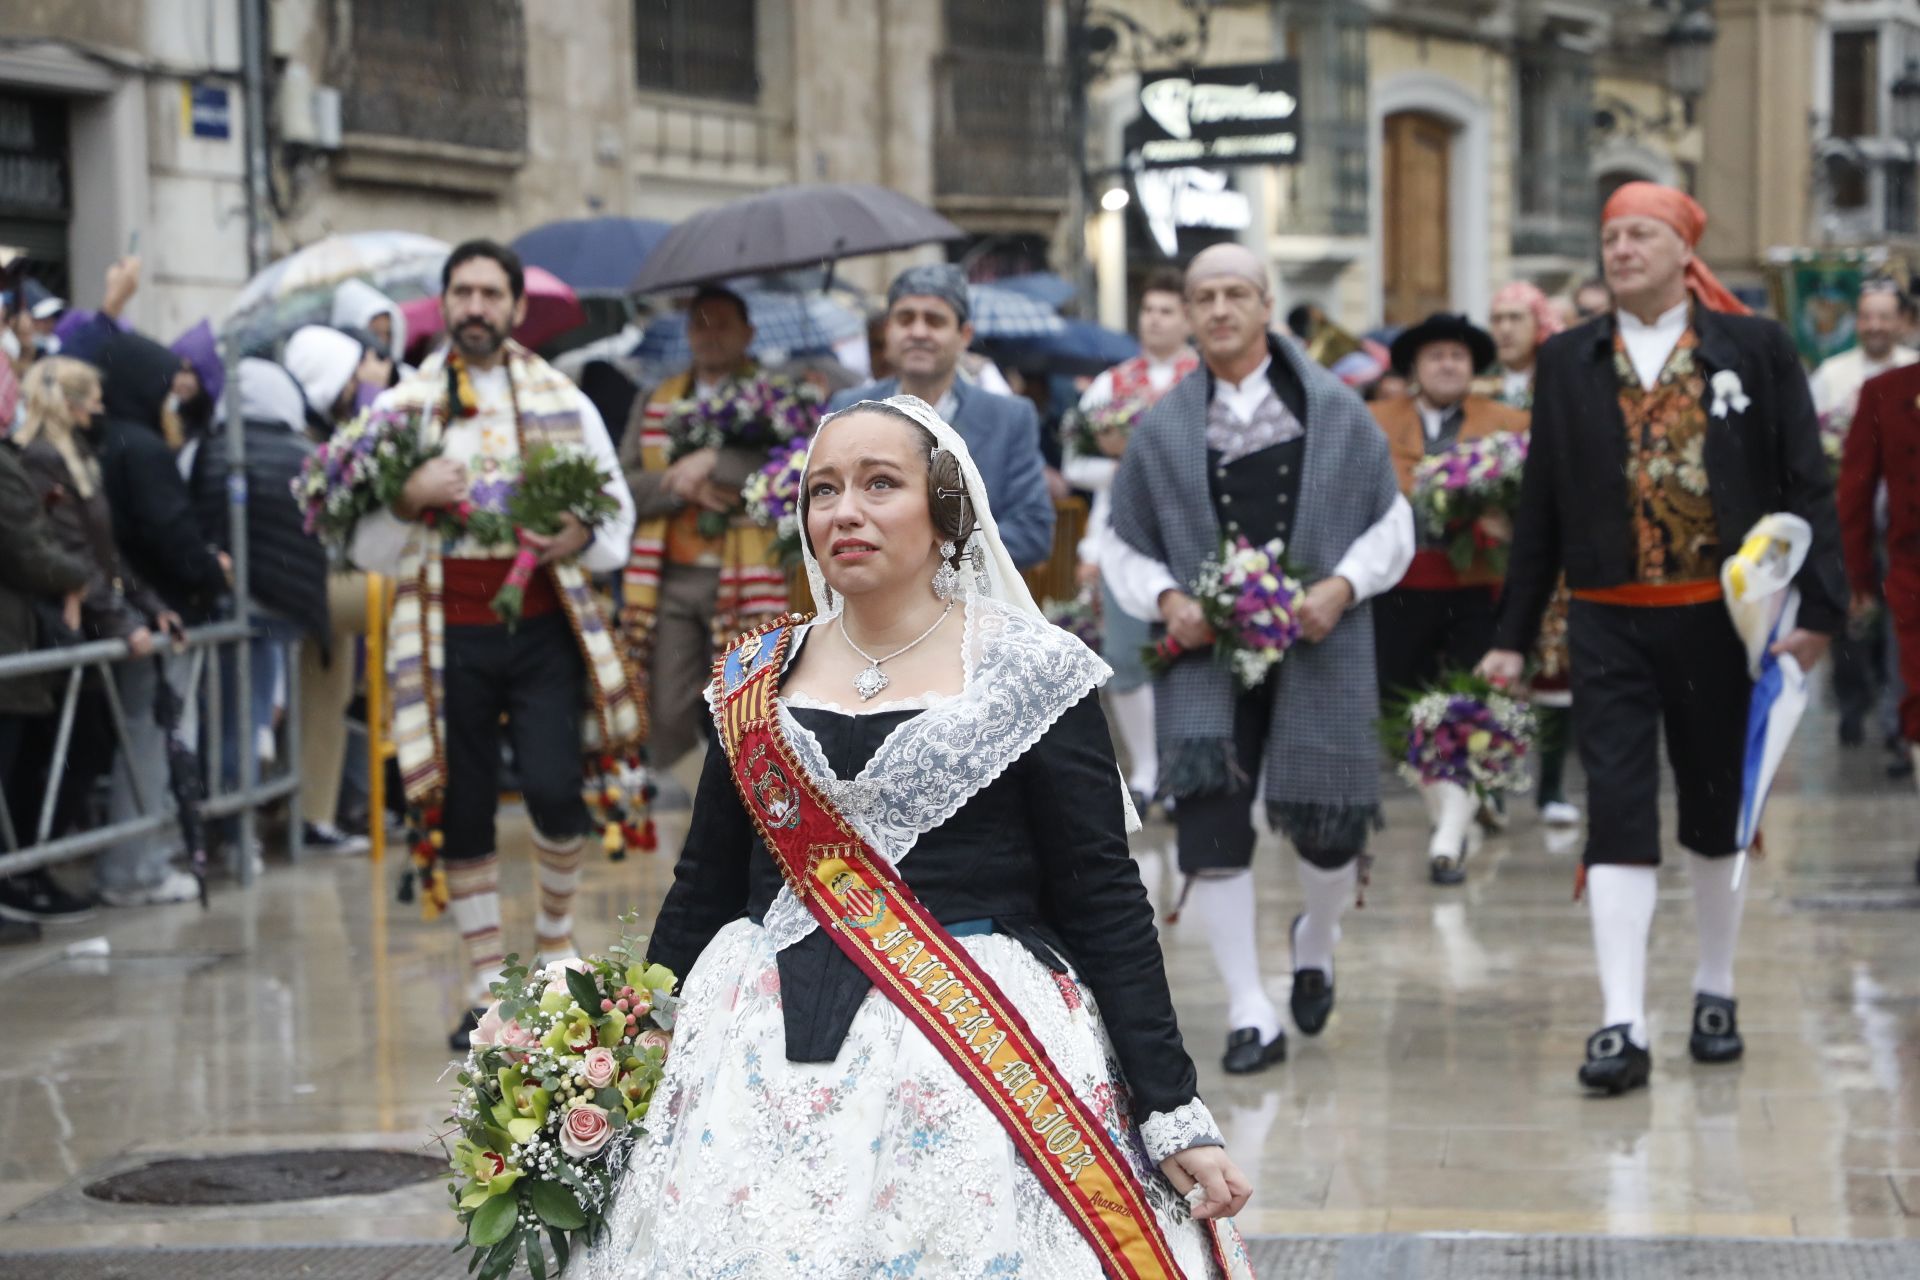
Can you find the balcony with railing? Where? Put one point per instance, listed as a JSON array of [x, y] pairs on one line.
[[1001, 129]]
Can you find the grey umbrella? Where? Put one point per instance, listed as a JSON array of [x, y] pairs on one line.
[[811, 225]]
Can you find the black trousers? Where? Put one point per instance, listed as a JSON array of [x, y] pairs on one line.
[[1215, 832], [1637, 671], [535, 677], [1418, 634]]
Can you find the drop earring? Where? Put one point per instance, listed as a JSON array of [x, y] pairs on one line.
[[946, 580]]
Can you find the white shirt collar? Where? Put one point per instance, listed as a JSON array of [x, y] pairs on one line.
[[1649, 345], [1674, 318], [1432, 419], [1243, 399]]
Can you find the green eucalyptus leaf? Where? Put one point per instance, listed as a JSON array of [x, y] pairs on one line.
[[585, 991]]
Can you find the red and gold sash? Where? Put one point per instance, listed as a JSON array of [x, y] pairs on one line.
[[867, 909]]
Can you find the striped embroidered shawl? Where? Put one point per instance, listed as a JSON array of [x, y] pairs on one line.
[[545, 408], [753, 582]]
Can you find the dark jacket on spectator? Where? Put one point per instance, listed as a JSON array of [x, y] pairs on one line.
[[286, 568], [152, 516], [32, 568], [117, 602]]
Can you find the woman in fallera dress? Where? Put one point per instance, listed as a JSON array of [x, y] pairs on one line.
[[927, 1029]]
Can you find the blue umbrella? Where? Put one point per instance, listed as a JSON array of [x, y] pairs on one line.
[[1006, 313], [1042, 286], [594, 255], [1078, 347], [783, 324]]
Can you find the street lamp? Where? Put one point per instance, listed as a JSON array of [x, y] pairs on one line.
[[1689, 44]]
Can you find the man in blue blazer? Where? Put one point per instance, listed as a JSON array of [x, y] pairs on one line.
[[927, 330]]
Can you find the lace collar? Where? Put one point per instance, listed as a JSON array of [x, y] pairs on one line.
[[1021, 676]]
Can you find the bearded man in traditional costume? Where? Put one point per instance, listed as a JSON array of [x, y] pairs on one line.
[[1439, 617], [457, 670], [1262, 443], [1662, 433]]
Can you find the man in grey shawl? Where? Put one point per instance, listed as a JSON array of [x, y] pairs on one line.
[[1261, 443]]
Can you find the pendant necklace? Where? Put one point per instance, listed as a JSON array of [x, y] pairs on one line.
[[871, 682]]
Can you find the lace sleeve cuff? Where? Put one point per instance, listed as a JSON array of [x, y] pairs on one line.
[[1169, 1132]]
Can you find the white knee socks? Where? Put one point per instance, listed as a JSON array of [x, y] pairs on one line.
[[1327, 894], [1225, 908], [1716, 908], [1621, 900], [1452, 808], [1133, 716]]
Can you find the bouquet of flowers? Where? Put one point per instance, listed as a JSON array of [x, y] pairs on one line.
[[1079, 616], [363, 468], [772, 496], [1455, 490], [1253, 605], [1081, 430], [749, 413], [554, 481], [551, 1099], [1462, 730]]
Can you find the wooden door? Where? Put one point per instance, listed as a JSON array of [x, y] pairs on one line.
[[1417, 199]]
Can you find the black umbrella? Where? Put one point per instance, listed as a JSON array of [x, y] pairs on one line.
[[789, 227], [183, 779]]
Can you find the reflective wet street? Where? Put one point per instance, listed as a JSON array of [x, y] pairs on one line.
[[313, 1011]]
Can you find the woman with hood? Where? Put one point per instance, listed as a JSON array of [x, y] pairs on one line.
[[359, 307]]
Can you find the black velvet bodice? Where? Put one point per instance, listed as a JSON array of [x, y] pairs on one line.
[[1055, 876]]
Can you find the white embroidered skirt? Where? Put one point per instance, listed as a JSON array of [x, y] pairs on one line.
[[881, 1163]]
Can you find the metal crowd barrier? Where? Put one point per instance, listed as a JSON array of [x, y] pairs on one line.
[[154, 815]]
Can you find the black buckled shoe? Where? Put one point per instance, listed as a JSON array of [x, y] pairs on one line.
[[1312, 998], [1448, 869], [1716, 1031], [462, 1038], [1246, 1055], [1614, 1062]]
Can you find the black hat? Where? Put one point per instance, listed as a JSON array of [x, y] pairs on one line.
[[1441, 326]]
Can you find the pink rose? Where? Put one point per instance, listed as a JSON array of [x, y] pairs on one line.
[[655, 1038], [556, 976], [599, 1066], [585, 1131]]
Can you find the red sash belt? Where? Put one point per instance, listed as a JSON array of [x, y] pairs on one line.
[[467, 589], [1653, 595]]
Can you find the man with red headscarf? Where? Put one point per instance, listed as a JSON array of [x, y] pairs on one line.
[[1662, 432]]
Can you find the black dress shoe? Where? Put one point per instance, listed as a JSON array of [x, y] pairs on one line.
[[462, 1038], [1614, 1062], [1245, 1053], [1716, 1032], [1312, 998], [1853, 732], [1449, 868]]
